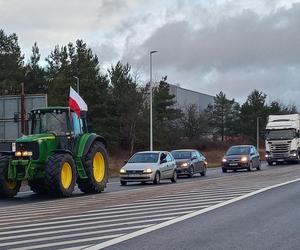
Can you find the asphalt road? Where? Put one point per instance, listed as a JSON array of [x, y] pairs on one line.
[[110, 218], [268, 220]]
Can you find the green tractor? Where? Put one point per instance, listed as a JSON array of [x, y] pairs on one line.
[[58, 153]]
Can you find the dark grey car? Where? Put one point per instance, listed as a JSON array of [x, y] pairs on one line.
[[189, 162], [241, 157]]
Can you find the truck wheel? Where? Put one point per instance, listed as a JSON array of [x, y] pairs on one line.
[[38, 186], [7, 188], [270, 163], [96, 168], [60, 175], [123, 183], [224, 170]]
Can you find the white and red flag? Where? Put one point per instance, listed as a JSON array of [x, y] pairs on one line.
[[76, 103]]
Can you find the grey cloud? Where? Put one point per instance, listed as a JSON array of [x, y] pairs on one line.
[[244, 40]]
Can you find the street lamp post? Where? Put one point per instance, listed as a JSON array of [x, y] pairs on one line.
[[257, 134], [77, 83], [151, 120]]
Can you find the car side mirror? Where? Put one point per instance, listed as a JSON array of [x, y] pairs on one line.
[[125, 161], [193, 158]]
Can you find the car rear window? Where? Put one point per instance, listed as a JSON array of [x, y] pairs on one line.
[[181, 154]]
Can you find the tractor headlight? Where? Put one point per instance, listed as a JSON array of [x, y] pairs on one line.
[[122, 171], [147, 171], [18, 153], [26, 153], [13, 147]]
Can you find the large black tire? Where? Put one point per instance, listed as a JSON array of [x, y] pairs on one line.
[[60, 175], [7, 188], [95, 160], [123, 183], [38, 186]]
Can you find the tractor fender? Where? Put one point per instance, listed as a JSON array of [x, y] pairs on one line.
[[92, 138]]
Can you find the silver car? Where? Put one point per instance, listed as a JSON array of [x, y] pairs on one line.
[[149, 166]]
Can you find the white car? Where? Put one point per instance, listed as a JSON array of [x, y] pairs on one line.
[[149, 166]]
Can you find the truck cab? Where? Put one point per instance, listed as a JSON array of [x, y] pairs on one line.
[[282, 138]]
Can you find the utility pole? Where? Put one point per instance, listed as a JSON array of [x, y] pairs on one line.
[[151, 117], [22, 109]]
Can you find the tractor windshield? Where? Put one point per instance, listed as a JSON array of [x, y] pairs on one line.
[[49, 122]]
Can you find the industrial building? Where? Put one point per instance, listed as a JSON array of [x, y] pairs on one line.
[[185, 97]]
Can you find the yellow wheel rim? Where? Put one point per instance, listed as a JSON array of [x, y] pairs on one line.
[[98, 167], [11, 184], [66, 175]]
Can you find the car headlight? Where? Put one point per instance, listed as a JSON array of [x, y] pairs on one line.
[[148, 171], [244, 159], [184, 164], [122, 171], [224, 160]]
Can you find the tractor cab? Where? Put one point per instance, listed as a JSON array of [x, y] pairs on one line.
[[60, 121]]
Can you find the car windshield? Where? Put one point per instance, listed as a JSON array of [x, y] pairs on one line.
[[144, 158], [238, 151], [287, 134], [49, 122], [181, 154]]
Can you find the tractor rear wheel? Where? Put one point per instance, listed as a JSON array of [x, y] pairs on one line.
[[60, 175], [96, 168], [38, 186], [7, 188]]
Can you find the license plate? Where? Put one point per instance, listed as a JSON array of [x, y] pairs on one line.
[[134, 175], [233, 164], [280, 160]]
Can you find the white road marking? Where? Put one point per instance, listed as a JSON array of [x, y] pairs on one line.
[[91, 223], [65, 236], [182, 218], [55, 244]]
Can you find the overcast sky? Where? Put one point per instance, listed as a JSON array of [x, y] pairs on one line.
[[204, 45]]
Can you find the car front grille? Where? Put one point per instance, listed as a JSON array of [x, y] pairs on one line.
[[134, 171]]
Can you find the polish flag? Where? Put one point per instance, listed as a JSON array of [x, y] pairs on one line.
[[76, 103]]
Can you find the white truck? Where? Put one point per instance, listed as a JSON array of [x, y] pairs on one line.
[[282, 138]]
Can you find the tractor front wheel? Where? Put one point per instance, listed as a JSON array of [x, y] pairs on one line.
[[7, 188], [38, 186], [60, 175], [96, 168]]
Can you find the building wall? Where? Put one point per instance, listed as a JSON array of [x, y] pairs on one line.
[[185, 97]]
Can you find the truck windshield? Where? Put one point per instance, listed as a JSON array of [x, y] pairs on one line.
[[282, 134], [144, 158], [49, 122]]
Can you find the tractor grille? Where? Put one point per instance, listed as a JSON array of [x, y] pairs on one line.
[[29, 146], [280, 150]]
